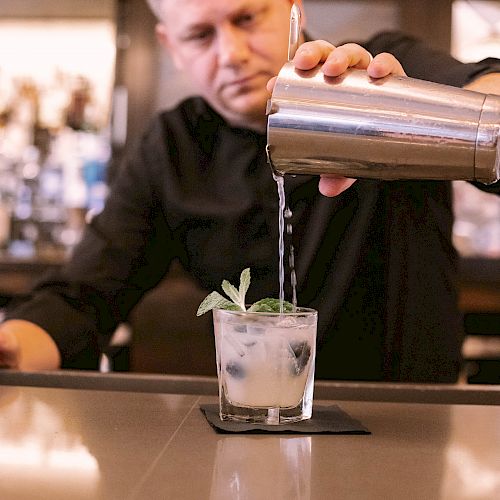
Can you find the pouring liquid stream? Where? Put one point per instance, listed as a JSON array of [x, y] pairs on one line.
[[285, 212]]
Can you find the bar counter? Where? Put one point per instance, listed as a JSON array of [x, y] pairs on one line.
[[112, 436]]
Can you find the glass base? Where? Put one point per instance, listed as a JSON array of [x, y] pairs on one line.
[[268, 415]]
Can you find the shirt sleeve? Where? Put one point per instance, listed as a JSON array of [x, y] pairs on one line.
[[419, 60], [124, 252]]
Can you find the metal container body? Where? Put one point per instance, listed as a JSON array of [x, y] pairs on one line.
[[389, 128]]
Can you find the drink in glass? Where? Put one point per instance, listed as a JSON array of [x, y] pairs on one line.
[[265, 364]]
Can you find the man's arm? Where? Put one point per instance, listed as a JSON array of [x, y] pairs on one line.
[[26, 346], [116, 261], [335, 60], [487, 84]]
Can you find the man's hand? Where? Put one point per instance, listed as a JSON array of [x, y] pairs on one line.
[[336, 60], [9, 349], [26, 346]]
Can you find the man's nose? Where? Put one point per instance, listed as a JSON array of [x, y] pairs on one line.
[[232, 47]]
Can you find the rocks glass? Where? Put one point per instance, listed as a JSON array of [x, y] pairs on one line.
[[265, 365]]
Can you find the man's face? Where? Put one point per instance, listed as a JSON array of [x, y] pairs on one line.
[[229, 49]]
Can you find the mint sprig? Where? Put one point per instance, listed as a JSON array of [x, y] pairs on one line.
[[237, 295], [270, 305]]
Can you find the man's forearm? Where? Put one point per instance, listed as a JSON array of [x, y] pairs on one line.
[[487, 84]]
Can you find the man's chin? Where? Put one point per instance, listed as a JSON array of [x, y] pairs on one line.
[[246, 106], [253, 121]]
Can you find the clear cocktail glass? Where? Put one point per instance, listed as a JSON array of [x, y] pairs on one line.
[[265, 364]]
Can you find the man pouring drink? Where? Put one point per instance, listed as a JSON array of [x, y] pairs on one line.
[[373, 257]]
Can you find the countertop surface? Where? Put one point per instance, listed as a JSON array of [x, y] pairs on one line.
[[81, 443]]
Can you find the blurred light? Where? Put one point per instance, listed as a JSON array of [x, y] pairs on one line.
[[475, 30], [476, 36], [33, 455], [476, 480], [46, 51]]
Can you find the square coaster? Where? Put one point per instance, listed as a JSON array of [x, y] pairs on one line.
[[325, 420]]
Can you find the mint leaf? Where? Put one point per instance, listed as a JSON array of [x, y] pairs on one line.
[[244, 283], [216, 301], [232, 293], [270, 305], [238, 295]]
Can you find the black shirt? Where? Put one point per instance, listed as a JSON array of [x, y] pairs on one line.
[[377, 261]]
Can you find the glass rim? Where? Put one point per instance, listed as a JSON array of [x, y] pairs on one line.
[[300, 311]]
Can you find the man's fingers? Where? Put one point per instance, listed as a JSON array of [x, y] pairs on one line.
[[385, 64], [271, 83], [333, 186], [310, 54], [346, 56], [336, 60]]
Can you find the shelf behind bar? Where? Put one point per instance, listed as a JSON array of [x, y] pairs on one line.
[[181, 384]]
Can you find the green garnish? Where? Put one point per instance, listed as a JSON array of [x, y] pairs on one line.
[[237, 295], [270, 305]]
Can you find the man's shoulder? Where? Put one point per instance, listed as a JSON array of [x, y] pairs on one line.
[[187, 112], [190, 124], [389, 41], [186, 117], [179, 119]]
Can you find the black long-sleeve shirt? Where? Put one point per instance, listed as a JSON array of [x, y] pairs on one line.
[[377, 262]]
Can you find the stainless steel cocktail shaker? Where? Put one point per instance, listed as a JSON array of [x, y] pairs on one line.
[[389, 128]]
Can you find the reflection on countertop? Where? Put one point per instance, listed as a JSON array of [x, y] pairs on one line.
[[40, 444], [240, 472]]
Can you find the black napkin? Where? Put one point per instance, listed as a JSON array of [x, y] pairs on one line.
[[325, 420]]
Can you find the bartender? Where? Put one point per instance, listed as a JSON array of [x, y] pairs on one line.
[[375, 258]]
